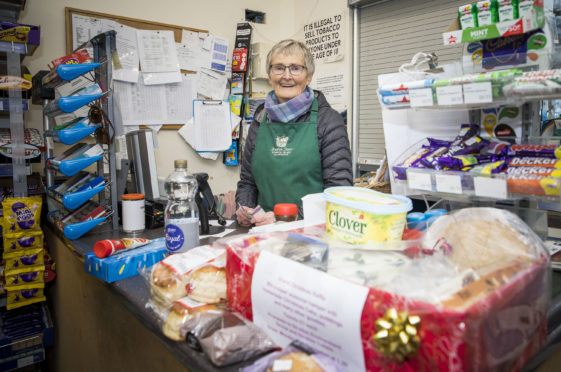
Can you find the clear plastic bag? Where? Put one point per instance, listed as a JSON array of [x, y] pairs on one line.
[[295, 357], [173, 277], [233, 340]]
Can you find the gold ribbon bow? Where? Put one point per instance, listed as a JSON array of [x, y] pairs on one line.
[[397, 334]]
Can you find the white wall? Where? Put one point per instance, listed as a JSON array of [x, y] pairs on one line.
[[284, 19]]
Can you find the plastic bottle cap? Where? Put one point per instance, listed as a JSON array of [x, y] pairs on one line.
[[286, 209], [132, 196], [180, 163], [102, 248]]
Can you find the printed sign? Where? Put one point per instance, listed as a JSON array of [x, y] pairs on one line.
[[323, 38]]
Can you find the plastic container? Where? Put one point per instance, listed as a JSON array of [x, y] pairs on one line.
[[358, 215], [286, 212], [134, 219], [416, 221], [433, 214], [181, 213]]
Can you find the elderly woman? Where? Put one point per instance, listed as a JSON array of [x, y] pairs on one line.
[[296, 145]]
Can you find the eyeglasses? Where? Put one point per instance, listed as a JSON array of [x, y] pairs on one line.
[[295, 70]]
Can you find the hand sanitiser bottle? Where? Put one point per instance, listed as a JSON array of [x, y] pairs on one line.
[[181, 214]]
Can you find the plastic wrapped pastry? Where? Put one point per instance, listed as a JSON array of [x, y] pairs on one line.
[[169, 279], [181, 311]]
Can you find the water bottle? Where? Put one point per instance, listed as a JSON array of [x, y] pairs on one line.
[[181, 214]]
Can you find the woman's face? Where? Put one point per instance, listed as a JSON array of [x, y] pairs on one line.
[[286, 85]]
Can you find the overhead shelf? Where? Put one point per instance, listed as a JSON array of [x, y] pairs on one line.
[[532, 20], [485, 89], [19, 38], [418, 171], [465, 186]]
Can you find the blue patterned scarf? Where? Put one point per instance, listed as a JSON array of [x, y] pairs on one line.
[[291, 110]]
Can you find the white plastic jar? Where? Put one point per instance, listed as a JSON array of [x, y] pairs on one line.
[[133, 213]]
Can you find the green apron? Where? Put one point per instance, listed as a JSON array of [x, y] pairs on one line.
[[286, 162]]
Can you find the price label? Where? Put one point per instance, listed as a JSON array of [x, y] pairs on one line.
[[451, 95], [419, 180], [449, 183], [478, 93], [282, 365], [421, 97], [490, 187]]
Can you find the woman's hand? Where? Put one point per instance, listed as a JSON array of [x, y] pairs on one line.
[[242, 215], [263, 219]]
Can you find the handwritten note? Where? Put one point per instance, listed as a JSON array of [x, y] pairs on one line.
[[292, 301]]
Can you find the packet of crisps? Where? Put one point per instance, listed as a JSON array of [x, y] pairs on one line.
[[21, 214]]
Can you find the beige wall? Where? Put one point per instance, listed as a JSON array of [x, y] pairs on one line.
[[284, 19]]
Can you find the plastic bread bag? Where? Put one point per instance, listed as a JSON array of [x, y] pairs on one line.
[[181, 311], [484, 238], [370, 268], [21, 214], [169, 279], [208, 283], [303, 246], [234, 340], [295, 357], [204, 323]]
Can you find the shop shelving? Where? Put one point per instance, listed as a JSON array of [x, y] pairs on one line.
[[532, 20], [491, 90], [63, 206]]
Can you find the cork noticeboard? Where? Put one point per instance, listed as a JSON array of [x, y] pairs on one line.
[[127, 21]]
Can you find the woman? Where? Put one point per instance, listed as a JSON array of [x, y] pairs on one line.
[[296, 145]]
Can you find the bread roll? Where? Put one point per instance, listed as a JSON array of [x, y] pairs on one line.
[[178, 315], [208, 284], [166, 286], [301, 362]]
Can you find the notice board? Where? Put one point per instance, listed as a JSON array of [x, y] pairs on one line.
[[127, 21]]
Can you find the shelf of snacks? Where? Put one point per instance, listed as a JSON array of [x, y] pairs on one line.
[[478, 90], [485, 20], [470, 166], [19, 38]]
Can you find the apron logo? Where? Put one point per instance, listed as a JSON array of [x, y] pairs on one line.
[[281, 149], [282, 141]]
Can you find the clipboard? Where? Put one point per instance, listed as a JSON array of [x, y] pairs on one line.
[[212, 125]]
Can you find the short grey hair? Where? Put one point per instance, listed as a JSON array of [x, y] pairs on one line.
[[292, 47]]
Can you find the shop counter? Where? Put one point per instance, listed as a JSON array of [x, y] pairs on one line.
[[107, 327]]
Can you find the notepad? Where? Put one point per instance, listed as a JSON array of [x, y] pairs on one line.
[[212, 127]]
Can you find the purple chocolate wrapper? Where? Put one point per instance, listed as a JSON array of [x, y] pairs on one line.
[[462, 161], [472, 145], [498, 148], [430, 160], [466, 131], [435, 143]]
